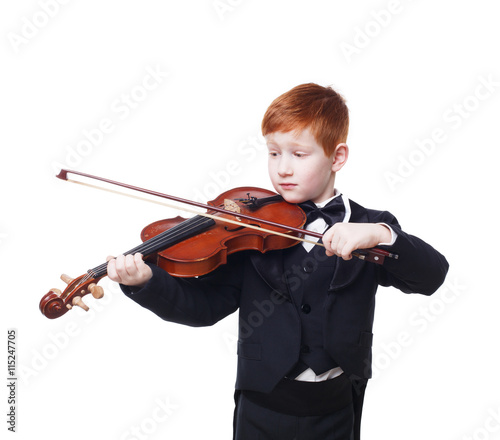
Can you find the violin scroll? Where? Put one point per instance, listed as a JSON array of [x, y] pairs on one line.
[[52, 305], [55, 304]]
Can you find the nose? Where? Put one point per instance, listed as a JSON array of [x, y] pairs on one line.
[[285, 167]]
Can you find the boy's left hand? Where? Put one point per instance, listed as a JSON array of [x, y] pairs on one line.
[[343, 238]]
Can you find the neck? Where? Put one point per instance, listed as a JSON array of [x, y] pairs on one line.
[[324, 200]]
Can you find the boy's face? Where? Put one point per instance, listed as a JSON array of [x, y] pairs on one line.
[[298, 167]]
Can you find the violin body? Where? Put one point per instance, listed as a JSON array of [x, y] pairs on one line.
[[204, 252], [197, 246]]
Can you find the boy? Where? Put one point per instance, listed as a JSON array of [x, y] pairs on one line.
[[304, 364]]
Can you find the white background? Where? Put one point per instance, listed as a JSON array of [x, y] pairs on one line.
[[406, 68]]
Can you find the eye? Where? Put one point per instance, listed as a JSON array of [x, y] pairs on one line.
[[273, 153]]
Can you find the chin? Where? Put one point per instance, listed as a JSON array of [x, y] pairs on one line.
[[290, 196], [293, 198]]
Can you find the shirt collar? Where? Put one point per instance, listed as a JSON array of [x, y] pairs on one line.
[[336, 193]]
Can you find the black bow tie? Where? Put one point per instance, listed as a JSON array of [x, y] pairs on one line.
[[333, 212]]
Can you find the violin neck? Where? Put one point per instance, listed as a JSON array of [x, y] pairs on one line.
[[165, 239]]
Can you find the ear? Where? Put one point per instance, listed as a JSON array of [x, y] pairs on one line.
[[340, 156]]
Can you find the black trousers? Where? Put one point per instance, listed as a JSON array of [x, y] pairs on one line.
[[256, 422]]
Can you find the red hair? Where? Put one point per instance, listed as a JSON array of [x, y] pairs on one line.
[[321, 109]]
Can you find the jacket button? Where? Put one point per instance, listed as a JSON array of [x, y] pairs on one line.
[[308, 268], [306, 308]]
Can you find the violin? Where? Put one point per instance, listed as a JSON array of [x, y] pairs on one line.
[[245, 218]]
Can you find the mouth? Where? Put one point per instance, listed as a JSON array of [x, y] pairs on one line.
[[287, 186]]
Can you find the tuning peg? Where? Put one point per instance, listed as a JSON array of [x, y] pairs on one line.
[[66, 278], [96, 291], [77, 301]]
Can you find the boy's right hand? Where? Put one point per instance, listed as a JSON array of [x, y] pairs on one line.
[[129, 270]]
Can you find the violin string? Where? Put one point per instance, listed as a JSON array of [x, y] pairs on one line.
[[148, 246], [156, 242], [177, 231], [187, 226]]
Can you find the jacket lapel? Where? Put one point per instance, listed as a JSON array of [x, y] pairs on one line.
[[270, 267], [346, 271]]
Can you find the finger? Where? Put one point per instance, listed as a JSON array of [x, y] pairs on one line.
[[130, 266], [346, 256], [331, 247], [145, 272], [136, 269], [112, 274], [329, 241], [138, 259], [329, 250], [109, 258], [345, 251], [141, 267], [338, 245], [120, 268]]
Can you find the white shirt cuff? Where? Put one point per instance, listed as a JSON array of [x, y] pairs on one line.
[[393, 235]]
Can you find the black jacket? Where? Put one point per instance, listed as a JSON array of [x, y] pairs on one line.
[[269, 324]]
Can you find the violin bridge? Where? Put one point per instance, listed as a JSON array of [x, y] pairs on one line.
[[232, 206]]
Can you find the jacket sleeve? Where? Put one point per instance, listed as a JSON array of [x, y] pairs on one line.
[[419, 269], [197, 302]]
